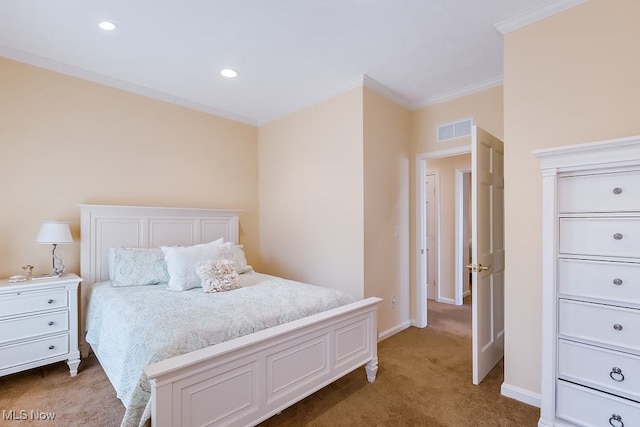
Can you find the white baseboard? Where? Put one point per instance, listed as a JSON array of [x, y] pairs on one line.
[[520, 394], [447, 300], [390, 332]]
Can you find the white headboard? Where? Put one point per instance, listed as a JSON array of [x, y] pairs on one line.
[[102, 227]]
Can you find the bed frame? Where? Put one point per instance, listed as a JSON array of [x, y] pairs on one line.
[[248, 379]]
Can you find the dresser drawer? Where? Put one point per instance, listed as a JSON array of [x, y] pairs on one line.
[[31, 351], [615, 237], [599, 323], [582, 406], [32, 326], [611, 371], [614, 281], [611, 192], [30, 301]]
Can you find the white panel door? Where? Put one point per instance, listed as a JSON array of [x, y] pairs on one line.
[[487, 210]]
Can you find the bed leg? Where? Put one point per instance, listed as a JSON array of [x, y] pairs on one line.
[[372, 368]]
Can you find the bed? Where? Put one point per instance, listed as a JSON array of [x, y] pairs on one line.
[[237, 374]]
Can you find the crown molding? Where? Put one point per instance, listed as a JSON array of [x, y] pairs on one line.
[[68, 70], [381, 89], [458, 93], [536, 14]]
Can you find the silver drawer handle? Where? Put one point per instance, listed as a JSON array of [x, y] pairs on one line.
[[50, 322], [617, 327], [616, 375], [617, 236], [616, 421], [617, 190], [50, 301], [51, 347], [617, 282]]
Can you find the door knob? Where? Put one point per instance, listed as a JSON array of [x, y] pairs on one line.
[[479, 268]]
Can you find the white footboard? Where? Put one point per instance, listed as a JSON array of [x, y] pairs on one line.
[[246, 380]]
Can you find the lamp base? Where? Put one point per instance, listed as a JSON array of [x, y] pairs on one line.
[[58, 266]]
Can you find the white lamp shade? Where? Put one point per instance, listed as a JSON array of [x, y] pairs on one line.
[[54, 233]]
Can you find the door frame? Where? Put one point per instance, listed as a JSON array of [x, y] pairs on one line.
[[421, 254], [436, 198]]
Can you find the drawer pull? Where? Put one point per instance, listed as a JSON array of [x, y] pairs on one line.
[[616, 374], [50, 322], [616, 421], [50, 301], [617, 282], [51, 347], [617, 190], [617, 327], [617, 236]]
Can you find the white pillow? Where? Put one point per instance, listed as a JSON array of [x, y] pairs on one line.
[[182, 261], [137, 266], [236, 254]]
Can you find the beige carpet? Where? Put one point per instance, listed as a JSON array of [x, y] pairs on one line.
[[424, 379]]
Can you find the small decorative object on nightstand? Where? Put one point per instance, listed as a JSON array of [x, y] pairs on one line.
[[55, 233], [28, 271], [39, 323]]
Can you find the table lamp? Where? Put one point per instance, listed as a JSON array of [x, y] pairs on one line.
[[55, 233]]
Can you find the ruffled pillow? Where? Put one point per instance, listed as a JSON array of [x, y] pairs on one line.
[[218, 275]]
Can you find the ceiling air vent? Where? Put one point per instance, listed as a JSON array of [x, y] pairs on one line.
[[454, 130]]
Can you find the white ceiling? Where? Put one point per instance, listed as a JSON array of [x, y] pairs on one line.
[[289, 53]]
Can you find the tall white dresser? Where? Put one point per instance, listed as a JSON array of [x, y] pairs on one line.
[[591, 284]]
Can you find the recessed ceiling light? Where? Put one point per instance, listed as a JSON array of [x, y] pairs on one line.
[[107, 26], [228, 72]]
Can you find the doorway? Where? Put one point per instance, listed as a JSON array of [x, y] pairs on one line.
[[422, 168], [447, 226]]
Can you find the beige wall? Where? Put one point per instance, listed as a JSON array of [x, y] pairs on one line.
[[386, 208], [66, 141], [334, 193], [447, 166], [485, 107], [571, 78], [311, 194]]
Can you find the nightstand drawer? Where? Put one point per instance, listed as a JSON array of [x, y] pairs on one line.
[[614, 281], [28, 327], [615, 237], [611, 371], [599, 323], [611, 192], [32, 351], [32, 301], [585, 407]]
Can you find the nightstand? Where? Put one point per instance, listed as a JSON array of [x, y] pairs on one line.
[[39, 323]]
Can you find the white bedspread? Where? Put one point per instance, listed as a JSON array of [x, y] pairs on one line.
[[131, 327]]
